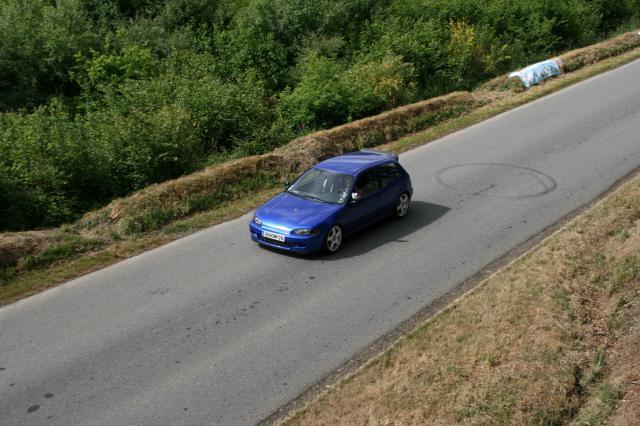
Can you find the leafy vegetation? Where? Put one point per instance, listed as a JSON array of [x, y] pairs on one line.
[[99, 98]]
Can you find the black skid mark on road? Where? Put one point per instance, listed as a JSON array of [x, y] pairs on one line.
[[499, 172]]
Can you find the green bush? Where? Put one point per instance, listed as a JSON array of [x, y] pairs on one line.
[[56, 164], [38, 43], [329, 93], [99, 98]]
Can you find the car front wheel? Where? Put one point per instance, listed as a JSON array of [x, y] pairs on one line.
[[333, 240], [402, 205]]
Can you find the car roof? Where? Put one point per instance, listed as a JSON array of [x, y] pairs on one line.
[[352, 162]]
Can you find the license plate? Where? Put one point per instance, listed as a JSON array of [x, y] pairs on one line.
[[273, 236]]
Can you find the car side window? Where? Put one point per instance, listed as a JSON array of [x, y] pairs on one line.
[[367, 183], [389, 173]]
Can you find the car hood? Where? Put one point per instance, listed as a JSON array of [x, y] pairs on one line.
[[289, 211]]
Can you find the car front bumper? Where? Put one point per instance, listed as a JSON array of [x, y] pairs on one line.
[[292, 243]]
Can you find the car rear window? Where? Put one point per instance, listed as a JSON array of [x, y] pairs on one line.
[[388, 173]]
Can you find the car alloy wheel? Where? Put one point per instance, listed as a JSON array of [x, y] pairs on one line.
[[402, 205], [333, 241]]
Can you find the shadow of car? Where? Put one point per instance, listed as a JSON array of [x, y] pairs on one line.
[[386, 231]]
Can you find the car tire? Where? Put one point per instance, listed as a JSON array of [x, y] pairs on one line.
[[401, 207], [333, 240]]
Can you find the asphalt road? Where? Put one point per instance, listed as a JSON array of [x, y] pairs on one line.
[[212, 329]]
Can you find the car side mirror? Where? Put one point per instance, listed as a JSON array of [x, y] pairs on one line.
[[287, 184], [355, 197]]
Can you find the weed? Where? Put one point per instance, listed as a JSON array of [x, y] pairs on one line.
[[624, 234], [454, 370], [7, 275], [541, 260], [596, 278], [606, 399], [386, 359], [615, 318], [488, 360], [548, 418], [596, 370], [608, 395], [623, 274], [71, 245], [599, 361], [430, 119], [600, 260], [114, 235]]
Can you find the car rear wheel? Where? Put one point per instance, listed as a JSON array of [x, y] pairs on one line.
[[333, 240], [402, 205]]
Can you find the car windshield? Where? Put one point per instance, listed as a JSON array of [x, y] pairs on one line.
[[322, 185]]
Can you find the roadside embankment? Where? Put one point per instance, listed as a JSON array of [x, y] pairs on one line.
[[155, 206], [579, 58], [160, 204], [165, 211]]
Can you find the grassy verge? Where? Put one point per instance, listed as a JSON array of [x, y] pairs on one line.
[[33, 261], [549, 339], [27, 278]]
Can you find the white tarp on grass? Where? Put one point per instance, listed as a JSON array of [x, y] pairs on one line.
[[534, 74]]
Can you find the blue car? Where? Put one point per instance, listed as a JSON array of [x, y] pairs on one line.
[[331, 200]]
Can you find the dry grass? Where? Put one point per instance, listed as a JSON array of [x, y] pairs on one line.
[[105, 251], [577, 59], [549, 339], [156, 205], [374, 131], [14, 246]]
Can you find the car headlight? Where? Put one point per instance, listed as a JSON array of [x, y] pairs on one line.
[[306, 231], [257, 220]]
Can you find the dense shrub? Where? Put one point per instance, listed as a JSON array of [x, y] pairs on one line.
[[101, 97], [38, 43], [328, 92]]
